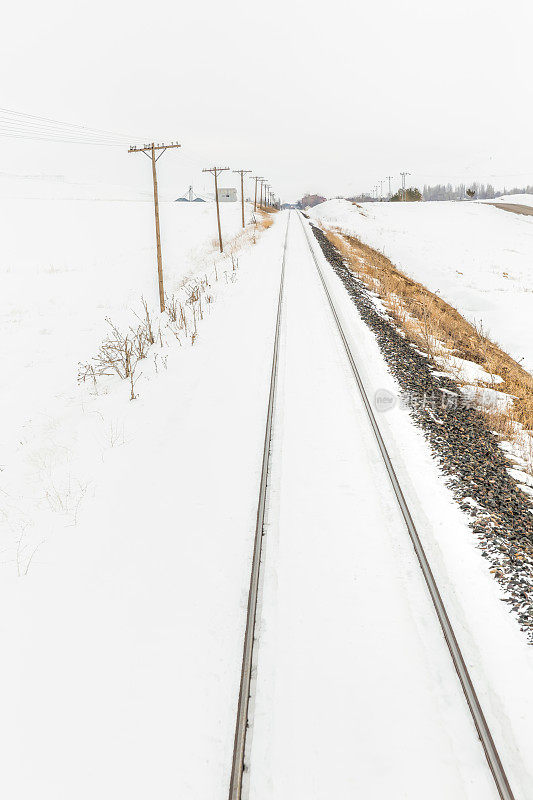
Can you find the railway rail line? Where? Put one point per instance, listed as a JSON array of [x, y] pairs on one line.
[[243, 720]]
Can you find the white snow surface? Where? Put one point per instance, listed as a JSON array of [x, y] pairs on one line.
[[477, 257], [122, 632], [348, 547], [513, 199], [66, 265], [356, 692]]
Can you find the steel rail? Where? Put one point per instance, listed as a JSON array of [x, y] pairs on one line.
[[241, 726], [480, 722]]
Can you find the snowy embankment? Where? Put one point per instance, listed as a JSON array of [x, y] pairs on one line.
[[512, 199], [478, 258], [123, 591]]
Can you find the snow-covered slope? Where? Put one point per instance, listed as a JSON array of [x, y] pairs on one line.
[[477, 257], [514, 199]]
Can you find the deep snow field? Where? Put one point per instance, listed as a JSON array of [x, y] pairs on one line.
[[108, 507], [126, 525], [477, 257]]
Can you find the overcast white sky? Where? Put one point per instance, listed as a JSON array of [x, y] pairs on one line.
[[316, 96]]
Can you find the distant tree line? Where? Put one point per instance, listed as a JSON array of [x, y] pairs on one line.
[[481, 191], [310, 200], [440, 191], [412, 195]]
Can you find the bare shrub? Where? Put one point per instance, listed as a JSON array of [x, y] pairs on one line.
[[120, 353]]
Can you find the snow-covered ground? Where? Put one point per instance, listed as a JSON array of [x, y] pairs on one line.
[[513, 199], [66, 265], [127, 530], [349, 658], [356, 692], [477, 257], [125, 525]]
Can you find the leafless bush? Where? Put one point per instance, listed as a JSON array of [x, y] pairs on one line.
[[148, 323], [172, 306], [120, 353], [193, 293]]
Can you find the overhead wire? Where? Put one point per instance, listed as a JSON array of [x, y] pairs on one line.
[[19, 125]]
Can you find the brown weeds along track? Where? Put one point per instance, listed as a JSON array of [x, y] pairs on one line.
[[424, 315], [464, 440]]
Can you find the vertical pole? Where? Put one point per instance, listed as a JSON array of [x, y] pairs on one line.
[[255, 196], [261, 196], [218, 212], [242, 197], [158, 236]]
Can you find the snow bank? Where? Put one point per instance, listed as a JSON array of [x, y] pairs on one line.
[[476, 257]]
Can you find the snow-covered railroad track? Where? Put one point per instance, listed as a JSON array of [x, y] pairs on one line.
[[248, 651], [471, 697], [275, 768]]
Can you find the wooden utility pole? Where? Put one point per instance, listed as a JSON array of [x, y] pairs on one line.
[[262, 182], [149, 150], [256, 178], [404, 190], [216, 172], [242, 172]]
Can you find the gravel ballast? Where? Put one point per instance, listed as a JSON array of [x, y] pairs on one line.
[[467, 451]]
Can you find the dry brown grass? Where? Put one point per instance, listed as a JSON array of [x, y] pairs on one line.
[[264, 220], [439, 329]]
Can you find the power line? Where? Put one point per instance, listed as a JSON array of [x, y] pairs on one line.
[[10, 130], [61, 141], [26, 117], [19, 125]]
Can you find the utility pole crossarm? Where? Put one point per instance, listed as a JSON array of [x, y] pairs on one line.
[[150, 147]]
